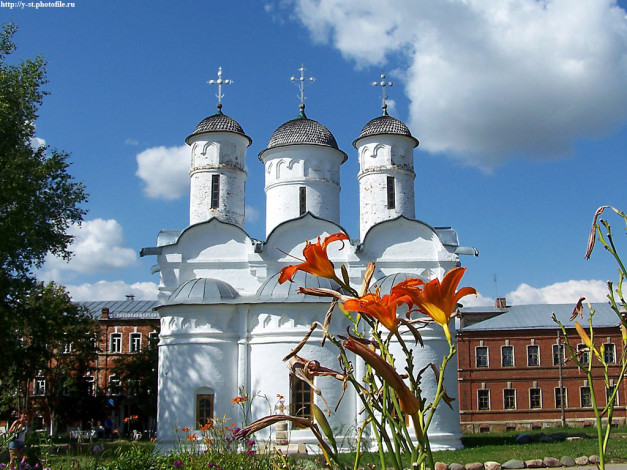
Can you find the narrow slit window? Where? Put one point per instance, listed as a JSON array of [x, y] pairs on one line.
[[204, 409], [301, 402], [302, 200], [215, 191], [391, 193]]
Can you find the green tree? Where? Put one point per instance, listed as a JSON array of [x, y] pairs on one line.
[[39, 201]]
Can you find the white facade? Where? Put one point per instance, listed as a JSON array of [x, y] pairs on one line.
[[226, 323]]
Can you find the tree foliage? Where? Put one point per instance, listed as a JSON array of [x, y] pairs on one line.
[[39, 201]]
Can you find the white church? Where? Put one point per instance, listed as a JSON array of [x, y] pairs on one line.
[[226, 323]]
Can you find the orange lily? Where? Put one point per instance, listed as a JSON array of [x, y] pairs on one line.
[[406, 399], [381, 308], [436, 299], [239, 399], [316, 260]]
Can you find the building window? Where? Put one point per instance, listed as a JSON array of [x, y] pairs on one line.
[[483, 399], [204, 409], [507, 356], [67, 348], [584, 353], [608, 393], [533, 355], [610, 353], [558, 354], [391, 193], [90, 385], [509, 399], [301, 399], [558, 397], [153, 339], [115, 343], [302, 200], [39, 386], [481, 353], [535, 398], [135, 342], [114, 385], [215, 191], [585, 397]]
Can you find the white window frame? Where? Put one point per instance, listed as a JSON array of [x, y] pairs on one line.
[[133, 338], [540, 393], [39, 386], [115, 385], [487, 391], [505, 400], [610, 347], [508, 346], [554, 353], [90, 380], [537, 364], [487, 356], [565, 397], [581, 403], [118, 348]]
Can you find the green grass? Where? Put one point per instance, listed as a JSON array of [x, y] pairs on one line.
[[499, 447]]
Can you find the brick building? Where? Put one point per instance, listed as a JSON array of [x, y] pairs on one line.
[[511, 361], [125, 328]]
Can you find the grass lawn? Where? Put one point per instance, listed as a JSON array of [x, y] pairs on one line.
[[499, 447]]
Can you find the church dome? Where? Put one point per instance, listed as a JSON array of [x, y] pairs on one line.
[[218, 122], [302, 131], [203, 291], [272, 291], [385, 124]]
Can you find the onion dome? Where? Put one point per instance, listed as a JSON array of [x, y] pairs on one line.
[[387, 125], [218, 122], [272, 291], [203, 291], [302, 131]]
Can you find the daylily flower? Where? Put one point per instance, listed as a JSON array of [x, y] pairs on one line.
[[407, 400], [316, 260], [436, 299], [380, 308], [583, 335], [239, 399]]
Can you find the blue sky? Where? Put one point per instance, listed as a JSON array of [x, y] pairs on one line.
[[520, 108]]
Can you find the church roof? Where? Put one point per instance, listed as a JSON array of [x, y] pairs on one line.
[[385, 124], [122, 309], [386, 283], [302, 131], [218, 122], [203, 291]]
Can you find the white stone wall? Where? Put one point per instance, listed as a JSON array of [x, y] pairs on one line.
[[288, 168], [223, 154]]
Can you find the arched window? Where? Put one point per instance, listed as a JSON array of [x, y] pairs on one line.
[[204, 409], [301, 399]]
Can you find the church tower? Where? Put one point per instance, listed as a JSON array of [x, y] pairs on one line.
[[386, 169], [302, 169], [217, 174]]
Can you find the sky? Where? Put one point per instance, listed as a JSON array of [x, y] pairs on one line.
[[520, 108]]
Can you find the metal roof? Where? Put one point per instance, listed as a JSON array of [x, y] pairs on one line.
[[385, 125], [272, 291], [203, 291], [123, 309], [539, 316], [218, 123]]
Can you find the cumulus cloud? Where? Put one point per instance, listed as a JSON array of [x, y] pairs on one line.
[[165, 171], [116, 290], [490, 80], [98, 246], [36, 142], [559, 293]]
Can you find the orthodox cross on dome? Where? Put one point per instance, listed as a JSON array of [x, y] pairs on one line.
[[220, 81], [300, 82], [383, 84]]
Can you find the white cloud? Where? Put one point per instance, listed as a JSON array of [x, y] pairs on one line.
[[98, 246], [567, 292], [252, 214], [36, 142], [490, 80], [165, 171], [116, 290]]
